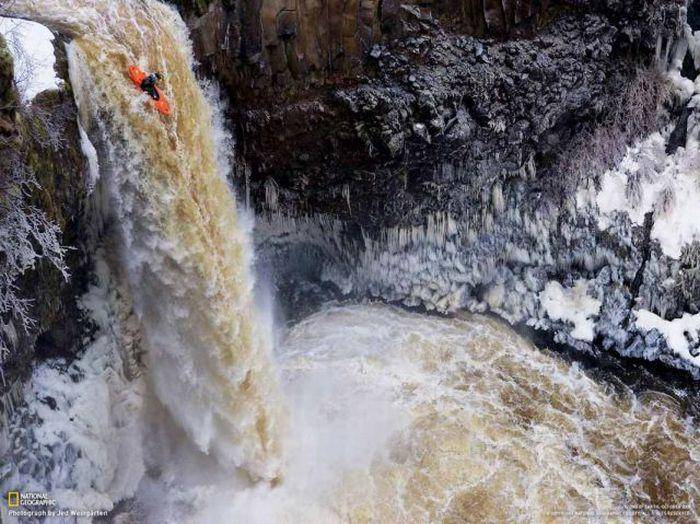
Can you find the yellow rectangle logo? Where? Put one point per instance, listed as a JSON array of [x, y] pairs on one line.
[[13, 499]]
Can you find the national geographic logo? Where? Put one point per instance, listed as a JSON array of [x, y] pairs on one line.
[[16, 499]]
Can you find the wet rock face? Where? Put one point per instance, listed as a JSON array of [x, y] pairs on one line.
[[62, 194], [267, 44], [263, 43], [7, 93], [397, 115]]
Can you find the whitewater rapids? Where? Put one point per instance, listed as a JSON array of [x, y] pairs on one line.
[[401, 417]]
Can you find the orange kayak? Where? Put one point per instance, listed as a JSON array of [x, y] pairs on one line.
[[137, 77]]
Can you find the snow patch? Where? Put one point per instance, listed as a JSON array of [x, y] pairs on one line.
[[647, 180], [682, 334], [31, 46], [571, 305], [95, 414]]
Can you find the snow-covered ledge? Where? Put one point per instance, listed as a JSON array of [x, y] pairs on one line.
[[681, 333]]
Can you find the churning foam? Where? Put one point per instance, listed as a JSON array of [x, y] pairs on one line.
[[401, 417], [182, 249]]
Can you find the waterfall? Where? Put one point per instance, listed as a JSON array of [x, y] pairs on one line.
[[394, 416], [181, 247]]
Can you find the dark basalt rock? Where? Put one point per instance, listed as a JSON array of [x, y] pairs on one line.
[[693, 16], [680, 132], [385, 116]]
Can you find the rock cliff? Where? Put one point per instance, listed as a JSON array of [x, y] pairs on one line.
[[448, 156]]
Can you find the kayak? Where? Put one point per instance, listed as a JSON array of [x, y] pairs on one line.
[[161, 105]]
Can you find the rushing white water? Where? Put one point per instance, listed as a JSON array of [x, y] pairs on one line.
[[395, 417]]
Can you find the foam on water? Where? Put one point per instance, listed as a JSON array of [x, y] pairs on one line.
[[401, 417]]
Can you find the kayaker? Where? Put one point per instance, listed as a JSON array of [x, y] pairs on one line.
[[149, 83]]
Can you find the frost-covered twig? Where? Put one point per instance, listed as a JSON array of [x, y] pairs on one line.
[[27, 236]]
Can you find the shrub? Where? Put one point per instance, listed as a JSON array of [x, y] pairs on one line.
[[633, 116]]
